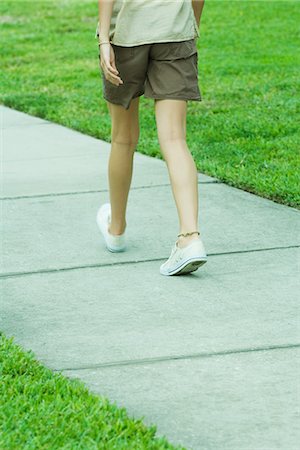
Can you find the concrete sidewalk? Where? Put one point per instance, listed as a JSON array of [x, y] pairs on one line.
[[212, 357]]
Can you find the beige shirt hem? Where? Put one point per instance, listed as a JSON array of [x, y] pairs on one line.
[[132, 44]]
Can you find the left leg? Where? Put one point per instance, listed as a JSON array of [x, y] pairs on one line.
[[124, 139]]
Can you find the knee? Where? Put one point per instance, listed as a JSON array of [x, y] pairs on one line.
[[171, 135], [127, 138], [125, 141], [171, 139]]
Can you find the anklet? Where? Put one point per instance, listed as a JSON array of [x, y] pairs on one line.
[[188, 234]]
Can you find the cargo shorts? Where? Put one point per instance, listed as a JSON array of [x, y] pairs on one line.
[[160, 70]]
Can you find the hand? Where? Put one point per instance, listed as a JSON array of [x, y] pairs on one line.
[[108, 65]]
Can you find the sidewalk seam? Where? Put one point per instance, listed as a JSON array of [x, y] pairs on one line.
[[27, 124], [200, 355], [94, 266], [59, 194]]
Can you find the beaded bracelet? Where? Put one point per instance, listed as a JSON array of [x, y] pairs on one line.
[[188, 234]]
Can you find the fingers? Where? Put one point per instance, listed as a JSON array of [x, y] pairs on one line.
[[111, 74], [113, 78], [112, 68], [113, 65]]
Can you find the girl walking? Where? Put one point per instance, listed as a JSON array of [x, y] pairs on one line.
[[148, 47]]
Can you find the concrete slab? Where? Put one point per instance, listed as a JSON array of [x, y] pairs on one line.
[[58, 232], [242, 401], [79, 318], [52, 159], [12, 118], [56, 160]]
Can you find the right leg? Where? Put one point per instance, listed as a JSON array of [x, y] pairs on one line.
[[171, 128], [124, 139]]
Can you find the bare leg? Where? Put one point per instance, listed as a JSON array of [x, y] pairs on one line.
[[171, 128], [124, 139]]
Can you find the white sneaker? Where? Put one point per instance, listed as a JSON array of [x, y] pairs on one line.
[[186, 259], [114, 243]]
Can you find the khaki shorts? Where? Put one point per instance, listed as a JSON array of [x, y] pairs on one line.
[[158, 70]]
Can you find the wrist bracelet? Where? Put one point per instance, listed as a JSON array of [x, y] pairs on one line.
[[106, 42]]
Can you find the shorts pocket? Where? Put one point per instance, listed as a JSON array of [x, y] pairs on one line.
[[175, 50], [185, 49]]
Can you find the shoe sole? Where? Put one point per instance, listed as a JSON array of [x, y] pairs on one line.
[[121, 249], [188, 266]]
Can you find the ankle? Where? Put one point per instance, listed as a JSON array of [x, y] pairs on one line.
[[183, 241], [117, 230]]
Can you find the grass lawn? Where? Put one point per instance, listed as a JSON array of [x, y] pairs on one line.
[[244, 132], [40, 409]]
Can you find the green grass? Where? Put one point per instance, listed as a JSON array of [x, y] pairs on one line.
[[40, 409], [245, 132]]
